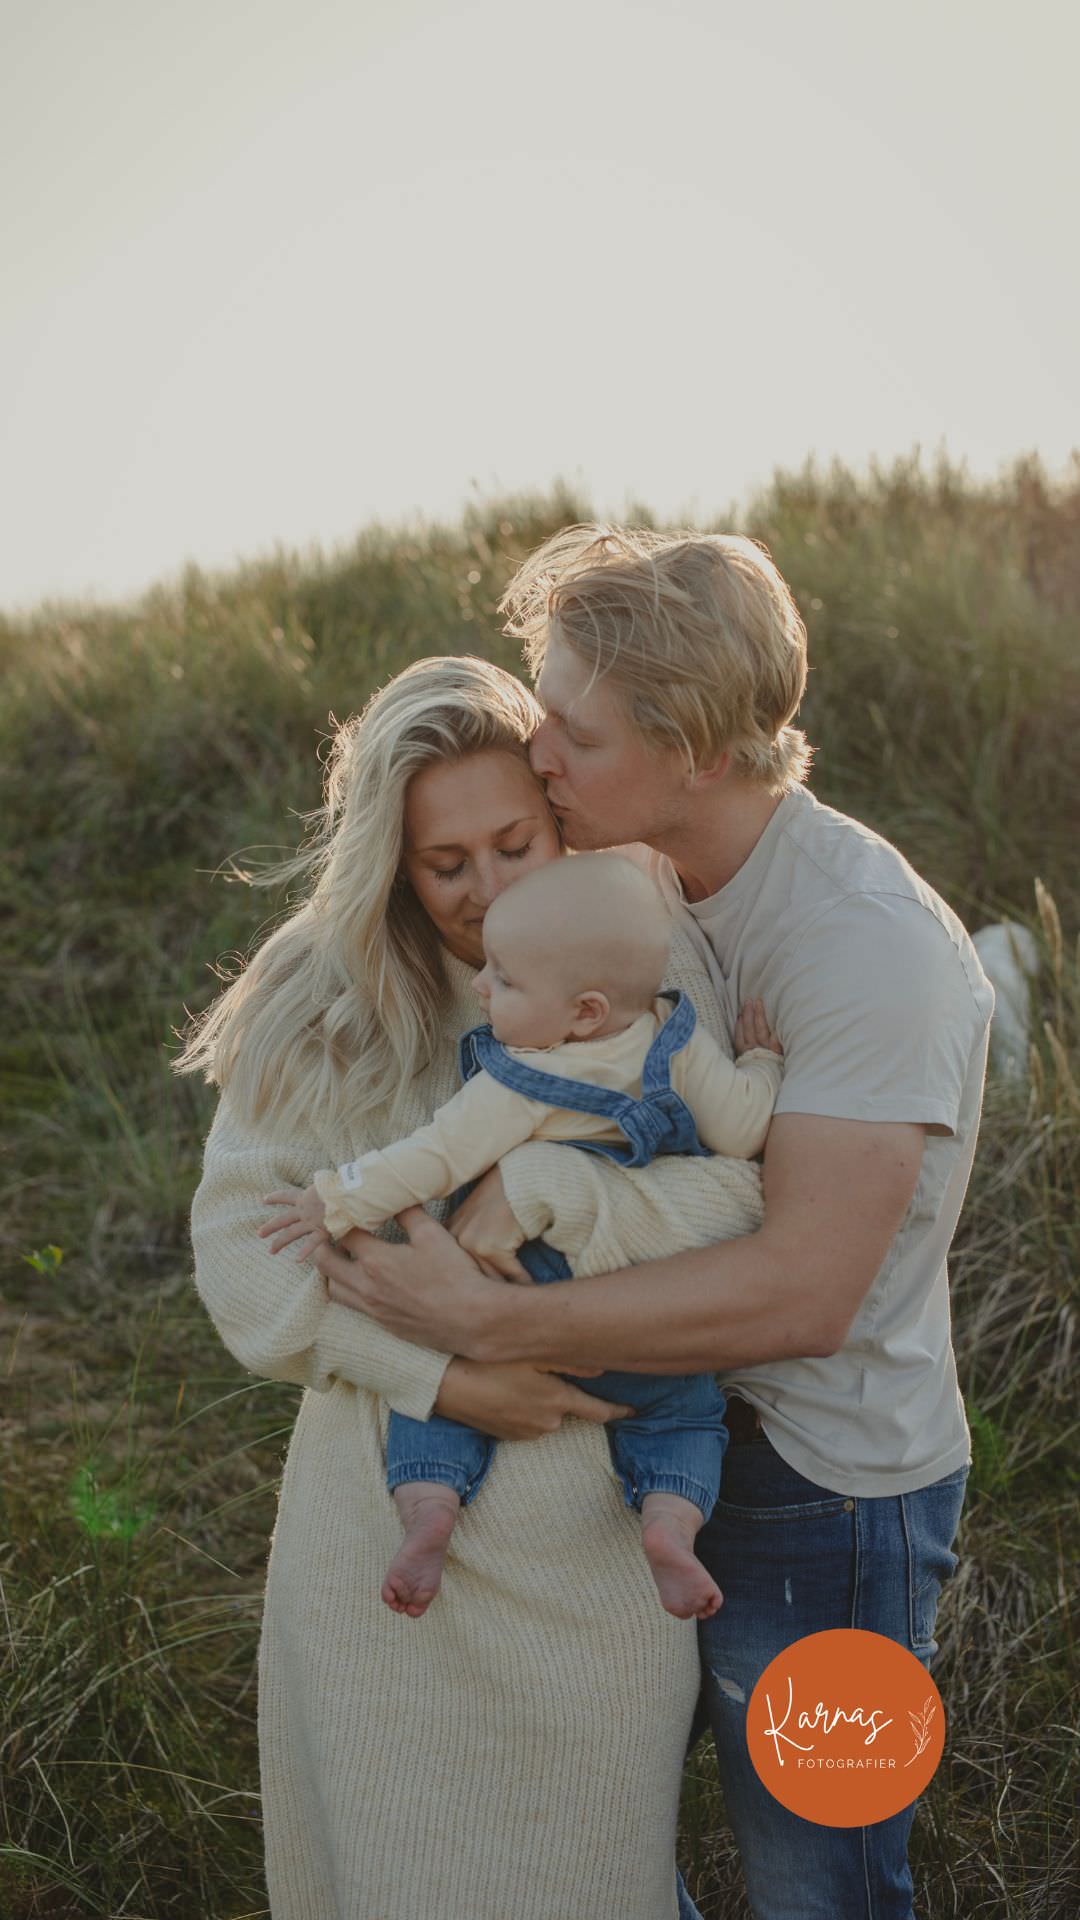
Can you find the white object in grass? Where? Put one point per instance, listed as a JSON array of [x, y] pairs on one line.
[[1010, 959]]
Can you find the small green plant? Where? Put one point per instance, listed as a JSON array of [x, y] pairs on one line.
[[45, 1260], [105, 1512], [989, 1451]]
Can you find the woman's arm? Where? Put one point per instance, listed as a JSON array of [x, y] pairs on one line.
[[514, 1400], [276, 1318], [274, 1315]]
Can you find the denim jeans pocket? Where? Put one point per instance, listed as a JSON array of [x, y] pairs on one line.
[[826, 1509], [759, 1485], [931, 1517]]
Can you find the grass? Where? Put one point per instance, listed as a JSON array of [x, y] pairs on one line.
[[142, 747]]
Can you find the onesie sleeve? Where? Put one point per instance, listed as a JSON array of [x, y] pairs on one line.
[[731, 1100], [272, 1312], [463, 1139]]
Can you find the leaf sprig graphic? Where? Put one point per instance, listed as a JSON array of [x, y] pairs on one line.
[[920, 1727]]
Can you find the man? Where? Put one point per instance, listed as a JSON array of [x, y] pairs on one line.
[[670, 670]]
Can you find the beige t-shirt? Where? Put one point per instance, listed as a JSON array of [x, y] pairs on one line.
[[731, 1103], [883, 1011]]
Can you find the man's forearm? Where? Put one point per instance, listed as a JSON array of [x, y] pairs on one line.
[[735, 1304], [836, 1194]]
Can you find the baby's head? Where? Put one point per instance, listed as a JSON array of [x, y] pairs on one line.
[[574, 950]]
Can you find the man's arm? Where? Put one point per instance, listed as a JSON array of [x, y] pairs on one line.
[[836, 1192]]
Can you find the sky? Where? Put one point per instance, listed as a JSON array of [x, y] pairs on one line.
[[275, 270]]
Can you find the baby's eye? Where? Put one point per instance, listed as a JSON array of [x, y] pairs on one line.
[[449, 873], [516, 853]]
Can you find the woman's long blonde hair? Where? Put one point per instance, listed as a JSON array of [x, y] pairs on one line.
[[339, 1008]]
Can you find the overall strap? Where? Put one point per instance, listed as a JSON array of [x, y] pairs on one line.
[[673, 1036], [660, 1122], [479, 1048]]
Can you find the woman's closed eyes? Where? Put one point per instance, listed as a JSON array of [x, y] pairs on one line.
[[455, 873]]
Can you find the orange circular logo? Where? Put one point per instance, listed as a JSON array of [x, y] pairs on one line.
[[845, 1727]]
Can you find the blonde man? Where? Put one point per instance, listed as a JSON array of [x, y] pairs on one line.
[[671, 669]]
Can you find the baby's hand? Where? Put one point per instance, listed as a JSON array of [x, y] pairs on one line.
[[753, 1030], [302, 1220]]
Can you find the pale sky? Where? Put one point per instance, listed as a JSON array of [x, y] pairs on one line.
[[276, 268]]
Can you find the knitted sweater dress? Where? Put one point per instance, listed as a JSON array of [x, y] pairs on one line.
[[516, 1754]]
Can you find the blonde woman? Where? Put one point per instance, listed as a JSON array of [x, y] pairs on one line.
[[521, 1753]]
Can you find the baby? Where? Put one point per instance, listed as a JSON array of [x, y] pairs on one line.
[[582, 1047]]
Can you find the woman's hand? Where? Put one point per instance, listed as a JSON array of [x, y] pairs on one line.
[[485, 1226], [516, 1401]]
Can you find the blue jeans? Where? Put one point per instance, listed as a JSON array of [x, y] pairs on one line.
[[793, 1558], [673, 1442]]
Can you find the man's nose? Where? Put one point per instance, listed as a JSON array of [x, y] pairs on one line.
[[541, 758]]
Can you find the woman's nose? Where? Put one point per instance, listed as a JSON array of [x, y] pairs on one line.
[[487, 882], [499, 879]]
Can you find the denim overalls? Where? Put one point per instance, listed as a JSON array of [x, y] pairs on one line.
[[674, 1440]]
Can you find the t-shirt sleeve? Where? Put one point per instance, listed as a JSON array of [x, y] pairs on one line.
[[877, 1016]]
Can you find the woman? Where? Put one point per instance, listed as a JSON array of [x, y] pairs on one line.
[[519, 1751]]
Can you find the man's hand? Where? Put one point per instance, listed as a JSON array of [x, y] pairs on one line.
[[485, 1226], [516, 1401], [430, 1292]]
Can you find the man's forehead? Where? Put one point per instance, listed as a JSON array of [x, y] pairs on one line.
[[565, 682]]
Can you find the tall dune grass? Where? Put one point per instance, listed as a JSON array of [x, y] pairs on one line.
[[141, 749]]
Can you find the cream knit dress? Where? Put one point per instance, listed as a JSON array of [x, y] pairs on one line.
[[516, 1754]]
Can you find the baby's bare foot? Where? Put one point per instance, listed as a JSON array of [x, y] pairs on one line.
[[415, 1572], [685, 1586]]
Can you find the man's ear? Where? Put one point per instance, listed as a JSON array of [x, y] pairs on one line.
[[591, 1010], [710, 776]]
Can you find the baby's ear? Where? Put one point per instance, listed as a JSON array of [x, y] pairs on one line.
[[592, 1009]]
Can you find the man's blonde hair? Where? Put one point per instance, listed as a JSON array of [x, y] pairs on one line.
[[699, 632]]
